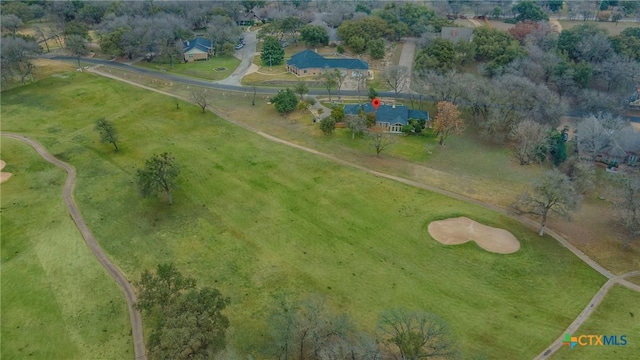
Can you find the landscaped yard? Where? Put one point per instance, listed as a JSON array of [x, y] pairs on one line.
[[216, 68], [616, 315], [254, 218], [57, 301]]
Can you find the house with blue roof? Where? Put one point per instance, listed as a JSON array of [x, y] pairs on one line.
[[310, 63], [197, 49], [389, 117]]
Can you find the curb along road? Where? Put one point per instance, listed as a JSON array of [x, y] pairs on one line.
[[116, 274]]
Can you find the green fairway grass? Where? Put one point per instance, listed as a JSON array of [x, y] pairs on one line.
[[198, 69], [57, 301], [253, 218], [616, 315]]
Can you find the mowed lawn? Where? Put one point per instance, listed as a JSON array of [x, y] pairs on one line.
[[255, 218], [57, 301], [216, 68], [616, 315]]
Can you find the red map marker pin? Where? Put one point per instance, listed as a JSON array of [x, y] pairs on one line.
[[375, 102]]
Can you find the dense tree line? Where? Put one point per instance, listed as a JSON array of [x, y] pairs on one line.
[[190, 323]]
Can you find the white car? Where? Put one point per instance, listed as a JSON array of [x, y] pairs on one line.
[[239, 46]]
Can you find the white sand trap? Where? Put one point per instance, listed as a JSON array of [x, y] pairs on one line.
[[4, 176], [460, 230]]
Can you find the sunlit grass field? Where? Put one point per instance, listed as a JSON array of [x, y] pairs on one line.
[[616, 315], [254, 218], [57, 301]]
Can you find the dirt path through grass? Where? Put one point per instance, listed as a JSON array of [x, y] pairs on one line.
[[116, 274], [595, 301]]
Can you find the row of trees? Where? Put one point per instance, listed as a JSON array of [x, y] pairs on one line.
[[189, 323], [366, 33]]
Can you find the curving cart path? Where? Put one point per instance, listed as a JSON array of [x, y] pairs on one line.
[[136, 322], [582, 317], [116, 274]]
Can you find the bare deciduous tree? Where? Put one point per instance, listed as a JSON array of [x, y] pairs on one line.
[[416, 335], [357, 124], [530, 141], [449, 86], [379, 139], [627, 203], [16, 56], [328, 79], [397, 77], [200, 97], [597, 134], [552, 193]]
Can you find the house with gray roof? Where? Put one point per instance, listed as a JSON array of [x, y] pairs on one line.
[[310, 63], [197, 49], [389, 117], [456, 34]]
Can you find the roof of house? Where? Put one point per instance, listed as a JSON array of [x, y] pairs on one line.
[[251, 15], [456, 33], [309, 59], [199, 43], [388, 113]]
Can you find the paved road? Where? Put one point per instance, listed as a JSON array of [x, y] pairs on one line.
[[206, 84], [406, 60], [116, 274], [246, 56]]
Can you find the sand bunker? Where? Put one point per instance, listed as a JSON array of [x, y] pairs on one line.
[[459, 230], [4, 176]]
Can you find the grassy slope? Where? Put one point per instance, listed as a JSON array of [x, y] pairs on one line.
[[252, 218], [617, 315], [57, 301]]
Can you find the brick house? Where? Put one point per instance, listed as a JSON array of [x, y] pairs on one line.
[[309, 63], [197, 49]]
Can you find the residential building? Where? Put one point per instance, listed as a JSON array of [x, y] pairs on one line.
[[197, 49], [310, 63], [392, 118]]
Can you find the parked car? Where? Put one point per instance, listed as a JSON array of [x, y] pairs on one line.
[[239, 46]]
